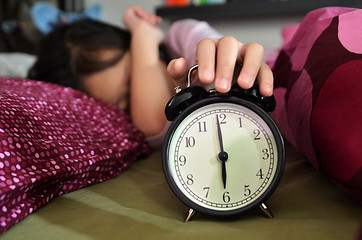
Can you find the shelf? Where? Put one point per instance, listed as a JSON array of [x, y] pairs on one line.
[[251, 8]]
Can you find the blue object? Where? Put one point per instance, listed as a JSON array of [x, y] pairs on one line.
[[45, 16]]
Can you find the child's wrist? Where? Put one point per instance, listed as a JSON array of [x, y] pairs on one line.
[[148, 33]]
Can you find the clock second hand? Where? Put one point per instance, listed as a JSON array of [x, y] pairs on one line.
[[222, 156]]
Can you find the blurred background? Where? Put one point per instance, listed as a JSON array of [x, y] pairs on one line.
[[248, 20], [244, 28]]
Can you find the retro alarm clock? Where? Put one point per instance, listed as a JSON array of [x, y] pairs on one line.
[[223, 154]]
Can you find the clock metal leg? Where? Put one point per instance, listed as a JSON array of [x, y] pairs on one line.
[[190, 214], [266, 210]]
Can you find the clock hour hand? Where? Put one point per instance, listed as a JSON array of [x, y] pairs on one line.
[[222, 156]]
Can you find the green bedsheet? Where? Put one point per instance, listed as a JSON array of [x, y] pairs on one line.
[[138, 204]]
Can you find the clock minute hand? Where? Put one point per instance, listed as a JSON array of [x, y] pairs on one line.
[[222, 156], [219, 134], [223, 173]]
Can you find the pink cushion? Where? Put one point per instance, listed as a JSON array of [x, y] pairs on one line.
[[318, 77], [54, 140]]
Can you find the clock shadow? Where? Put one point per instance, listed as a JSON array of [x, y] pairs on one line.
[[253, 214]]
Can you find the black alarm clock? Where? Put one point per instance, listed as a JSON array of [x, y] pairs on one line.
[[223, 154]]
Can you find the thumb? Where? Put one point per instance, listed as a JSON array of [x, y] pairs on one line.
[[177, 69]]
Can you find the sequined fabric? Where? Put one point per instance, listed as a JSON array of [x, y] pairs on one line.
[[54, 140]]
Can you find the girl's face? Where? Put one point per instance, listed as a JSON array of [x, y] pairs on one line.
[[112, 84]]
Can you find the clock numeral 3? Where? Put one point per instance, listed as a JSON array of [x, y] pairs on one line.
[[265, 154]]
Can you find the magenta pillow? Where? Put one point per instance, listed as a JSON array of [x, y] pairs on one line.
[[318, 77], [54, 140]]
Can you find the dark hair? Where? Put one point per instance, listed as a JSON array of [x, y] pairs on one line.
[[72, 50]]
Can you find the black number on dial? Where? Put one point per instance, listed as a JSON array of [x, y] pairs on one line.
[[190, 141]]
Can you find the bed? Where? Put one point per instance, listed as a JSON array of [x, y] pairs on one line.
[[138, 204], [113, 187]]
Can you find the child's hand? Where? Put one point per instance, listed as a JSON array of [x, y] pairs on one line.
[[226, 51], [138, 19]]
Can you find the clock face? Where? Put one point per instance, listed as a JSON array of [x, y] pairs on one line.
[[223, 157]]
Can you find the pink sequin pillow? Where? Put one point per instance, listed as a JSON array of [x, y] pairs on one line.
[[54, 140], [318, 78]]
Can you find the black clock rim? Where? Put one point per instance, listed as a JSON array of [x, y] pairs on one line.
[[280, 147]]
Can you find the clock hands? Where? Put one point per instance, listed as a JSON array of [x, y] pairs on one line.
[[222, 156]]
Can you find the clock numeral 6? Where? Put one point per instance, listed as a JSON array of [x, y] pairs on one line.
[[226, 197]]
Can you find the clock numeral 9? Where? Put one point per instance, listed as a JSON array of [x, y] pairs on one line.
[[182, 160]]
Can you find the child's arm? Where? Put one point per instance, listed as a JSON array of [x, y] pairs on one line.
[[149, 85]]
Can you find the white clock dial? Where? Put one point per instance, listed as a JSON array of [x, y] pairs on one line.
[[197, 171]]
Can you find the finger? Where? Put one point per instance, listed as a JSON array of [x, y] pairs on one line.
[[177, 69], [266, 80], [157, 19], [152, 18], [139, 11], [205, 55], [147, 16], [252, 55], [227, 52]]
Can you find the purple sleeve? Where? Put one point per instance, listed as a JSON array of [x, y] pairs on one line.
[[184, 35], [182, 39]]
